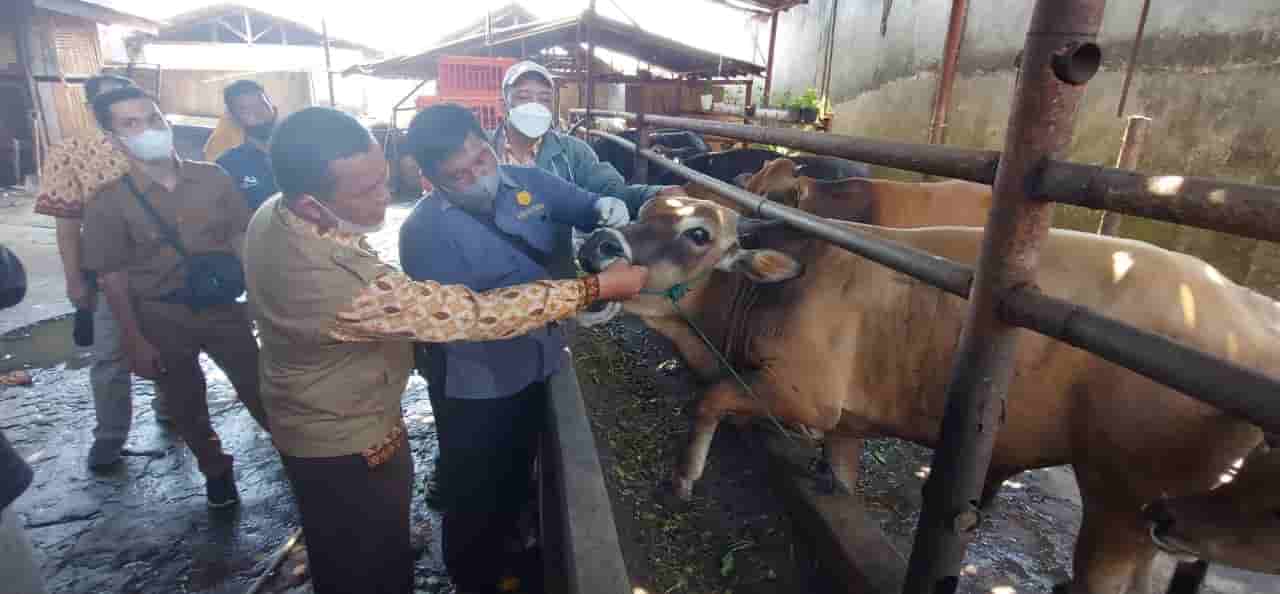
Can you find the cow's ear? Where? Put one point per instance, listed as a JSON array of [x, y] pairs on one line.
[[765, 266]]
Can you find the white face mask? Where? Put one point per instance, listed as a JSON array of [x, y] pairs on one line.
[[151, 144], [532, 119], [345, 226]]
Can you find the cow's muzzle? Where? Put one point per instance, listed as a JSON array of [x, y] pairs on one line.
[[602, 248]]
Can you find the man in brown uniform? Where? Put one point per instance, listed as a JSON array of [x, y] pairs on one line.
[[143, 271], [337, 326]]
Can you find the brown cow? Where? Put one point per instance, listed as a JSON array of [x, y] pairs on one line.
[[1237, 524], [853, 349], [878, 201]]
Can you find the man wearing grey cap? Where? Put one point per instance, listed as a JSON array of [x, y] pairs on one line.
[[527, 138]]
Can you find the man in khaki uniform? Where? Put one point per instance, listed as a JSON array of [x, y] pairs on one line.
[[73, 171], [143, 274], [337, 325]]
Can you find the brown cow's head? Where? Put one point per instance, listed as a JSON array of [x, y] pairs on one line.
[[1237, 524], [776, 181], [682, 241]]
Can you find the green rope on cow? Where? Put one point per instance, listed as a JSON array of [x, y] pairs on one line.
[[675, 294]]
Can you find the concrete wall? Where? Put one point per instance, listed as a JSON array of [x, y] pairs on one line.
[[1209, 75]]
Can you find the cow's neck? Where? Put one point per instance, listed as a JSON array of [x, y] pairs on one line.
[[711, 306]]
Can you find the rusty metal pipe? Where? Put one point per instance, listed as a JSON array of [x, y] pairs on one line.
[[1249, 394], [1242, 209], [1131, 145], [1247, 210], [768, 68], [939, 272], [1059, 56], [971, 164], [947, 78], [1230, 386]]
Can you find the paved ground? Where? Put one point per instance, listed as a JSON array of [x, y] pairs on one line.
[[145, 528]]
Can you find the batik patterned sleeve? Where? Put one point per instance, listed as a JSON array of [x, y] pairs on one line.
[[395, 307], [74, 171]]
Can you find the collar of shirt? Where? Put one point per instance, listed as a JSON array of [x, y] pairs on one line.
[[509, 156], [145, 181], [305, 227]]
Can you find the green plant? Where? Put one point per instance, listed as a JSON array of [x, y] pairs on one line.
[[784, 103], [809, 100]]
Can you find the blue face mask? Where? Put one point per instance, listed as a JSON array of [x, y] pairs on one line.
[[480, 195]]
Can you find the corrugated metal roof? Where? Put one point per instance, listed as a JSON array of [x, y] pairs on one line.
[[190, 25], [528, 40], [98, 13]]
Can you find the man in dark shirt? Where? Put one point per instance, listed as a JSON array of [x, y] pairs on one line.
[[248, 104]]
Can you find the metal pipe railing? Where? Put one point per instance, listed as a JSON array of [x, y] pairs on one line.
[[1247, 210], [1233, 388]]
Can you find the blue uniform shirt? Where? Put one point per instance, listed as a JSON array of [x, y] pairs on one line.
[[250, 167], [446, 244]]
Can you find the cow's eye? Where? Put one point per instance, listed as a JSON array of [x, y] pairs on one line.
[[698, 236]]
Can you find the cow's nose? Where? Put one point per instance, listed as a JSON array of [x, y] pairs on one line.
[[601, 249], [1157, 514]]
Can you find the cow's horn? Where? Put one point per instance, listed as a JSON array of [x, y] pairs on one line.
[[748, 226]]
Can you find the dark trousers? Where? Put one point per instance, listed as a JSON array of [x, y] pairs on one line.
[[224, 333], [356, 522], [485, 480]]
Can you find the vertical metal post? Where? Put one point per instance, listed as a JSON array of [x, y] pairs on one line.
[[748, 109], [641, 168], [328, 66], [947, 78], [1059, 57], [591, 58], [1135, 138], [1133, 57], [768, 68]]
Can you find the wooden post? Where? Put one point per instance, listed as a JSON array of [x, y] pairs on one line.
[[1135, 137]]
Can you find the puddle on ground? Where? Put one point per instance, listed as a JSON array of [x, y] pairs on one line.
[[43, 345]]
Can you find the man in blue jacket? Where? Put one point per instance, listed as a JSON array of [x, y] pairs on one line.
[[487, 226]]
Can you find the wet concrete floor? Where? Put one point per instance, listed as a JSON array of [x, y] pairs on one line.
[[144, 527]]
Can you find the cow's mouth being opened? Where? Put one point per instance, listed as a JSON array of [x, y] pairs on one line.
[[683, 241]]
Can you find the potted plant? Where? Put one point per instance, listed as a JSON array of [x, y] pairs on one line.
[[807, 106], [786, 103]]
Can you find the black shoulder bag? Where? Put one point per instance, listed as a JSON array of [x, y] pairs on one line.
[[213, 278]]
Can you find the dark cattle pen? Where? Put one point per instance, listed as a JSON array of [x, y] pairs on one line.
[[1059, 58]]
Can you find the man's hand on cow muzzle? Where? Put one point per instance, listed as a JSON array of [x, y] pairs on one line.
[[622, 281]]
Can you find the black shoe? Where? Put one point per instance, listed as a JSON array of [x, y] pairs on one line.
[[105, 455], [222, 490]]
